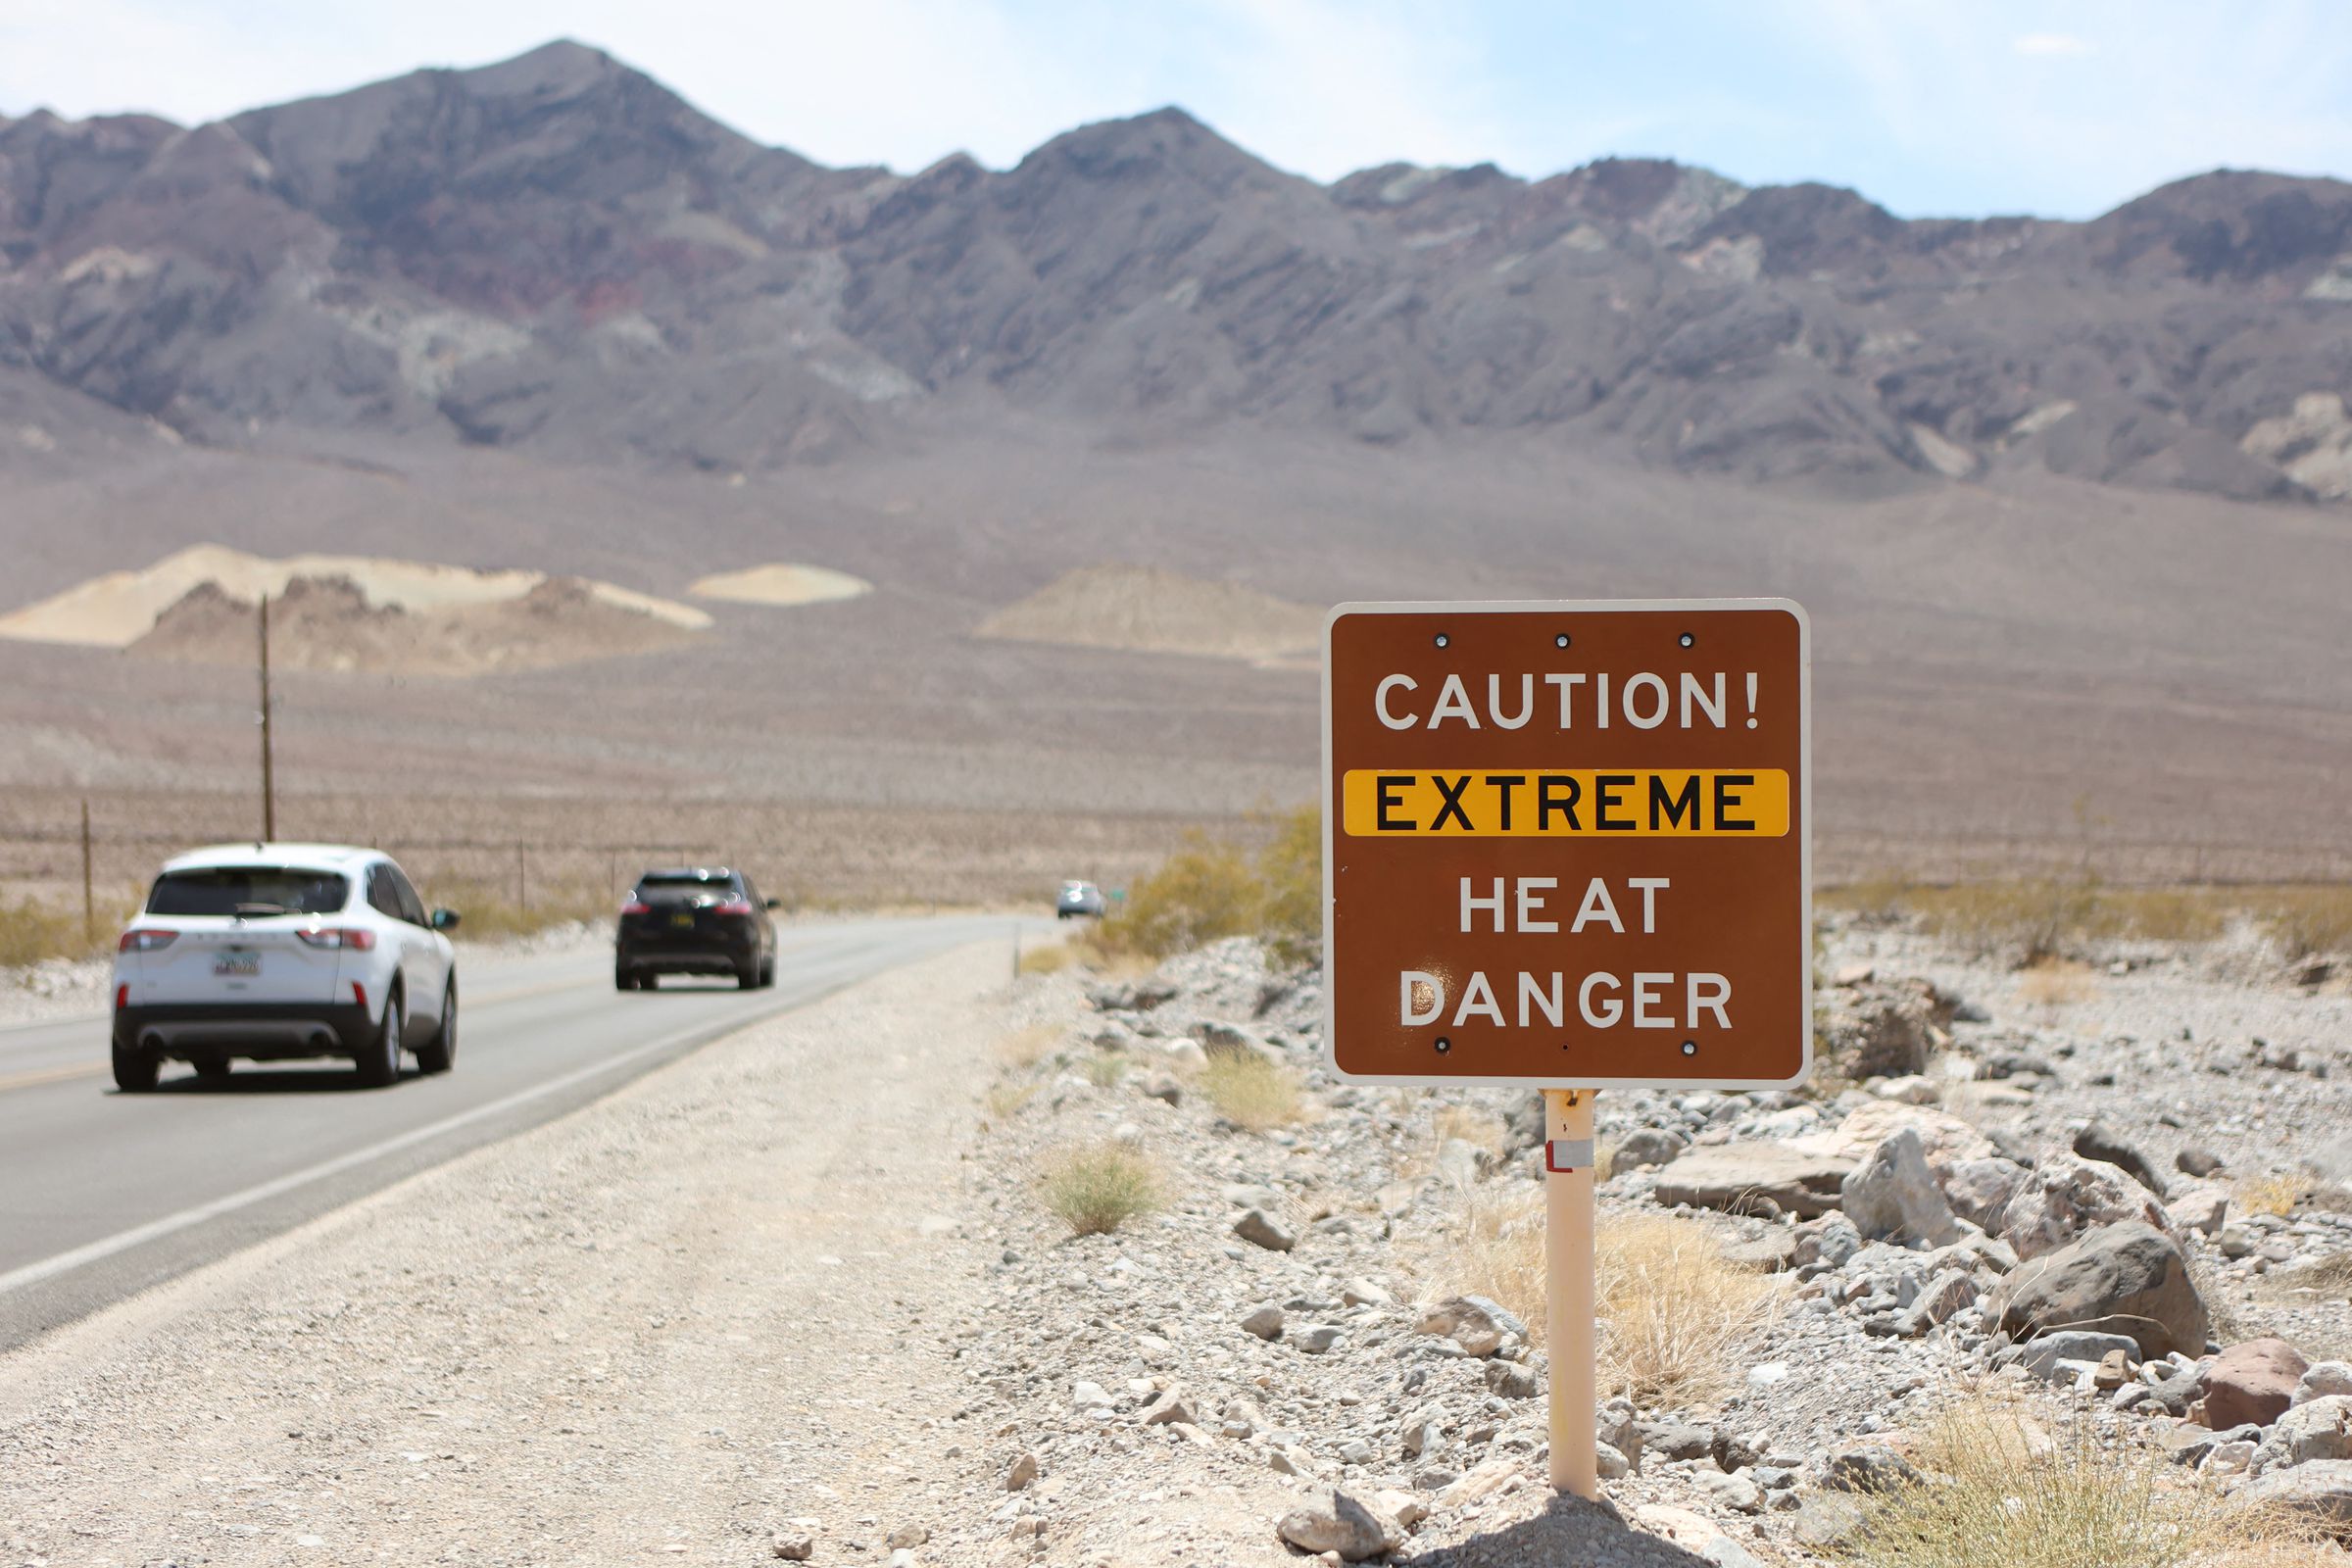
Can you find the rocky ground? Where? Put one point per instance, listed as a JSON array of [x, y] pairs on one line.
[[800, 1295], [2106, 1195]]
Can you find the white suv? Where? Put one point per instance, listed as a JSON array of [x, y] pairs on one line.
[[277, 950]]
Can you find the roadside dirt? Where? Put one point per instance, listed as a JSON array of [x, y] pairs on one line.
[[722, 1307]]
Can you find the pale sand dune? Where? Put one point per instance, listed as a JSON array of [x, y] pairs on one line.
[[118, 608], [1145, 609], [781, 582]]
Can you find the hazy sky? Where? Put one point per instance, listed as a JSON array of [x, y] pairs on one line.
[[1963, 108]]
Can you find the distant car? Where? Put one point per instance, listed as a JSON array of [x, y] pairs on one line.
[[1078, 898], [274, 951], [699, 920]]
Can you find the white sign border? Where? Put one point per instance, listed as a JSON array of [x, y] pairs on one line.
[[1556, 607]]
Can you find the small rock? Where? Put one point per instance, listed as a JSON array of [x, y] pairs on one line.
[[1736, 1492], [1090, 1397], [1261, 1229], [1171, 1405], [2197, 1162], [2252, 1382], [906, 1537], [798, 1547], [1678, 1439], [1264, 1321], [1872, 1467], [1022, 1471], [2320, 1429], [1317, 1339], [1290, 1461], [1422, 1438], [2324, 1379], [1645, 1146], [1363, 1292], [1911, 1088], [1344, 1526], [2100, 1142], [2067, 1195], [1477, 1325], [1608, 1463], [1513, 1380], [2114, 1368]]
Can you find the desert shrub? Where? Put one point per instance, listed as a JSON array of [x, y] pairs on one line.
[[490, 913], [1095, 1190], [1250, 1091], [2308, 921], [1105, 1068], [1050, 958], [1003, 1101], [2274, 1194], [1675, 1312], [1998, 1490], [1214, 888], [1024, 1049], [30, 932], [1496, 1250]]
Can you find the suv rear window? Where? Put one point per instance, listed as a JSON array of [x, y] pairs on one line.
[[675, 883], [248, 889]]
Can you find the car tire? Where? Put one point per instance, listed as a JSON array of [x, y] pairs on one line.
[[379, 1060], [623, 980], [135, 1071], [747, 978], [767, 973], [440, 1053]]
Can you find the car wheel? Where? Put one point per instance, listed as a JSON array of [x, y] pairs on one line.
[[440, 1052], [623, 980], [379, 1062], [747, 978], [213, 1069], [767, 973], [135, 1071]]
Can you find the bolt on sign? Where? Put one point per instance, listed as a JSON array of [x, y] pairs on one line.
[[1568, 843]]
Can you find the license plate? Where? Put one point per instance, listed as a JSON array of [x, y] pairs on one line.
[[238, 965], [683, 920]]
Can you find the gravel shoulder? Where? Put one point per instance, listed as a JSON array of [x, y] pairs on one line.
[[722, 1301]]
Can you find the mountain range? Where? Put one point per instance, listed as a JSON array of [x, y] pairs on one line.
[[556, 254], [2065, 501]]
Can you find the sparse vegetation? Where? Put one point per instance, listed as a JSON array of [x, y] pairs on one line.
[[1095, 1190], [1105, 1068], [1482, 1129], [2057, 983], [487, 914], [1212, 888], [1024, 1049], [2274, 1194], [1003, 1101], [2000, 1491], [2040, 919], [31, 932], [1675, 1312], [1050, 958], [1250, 1091]]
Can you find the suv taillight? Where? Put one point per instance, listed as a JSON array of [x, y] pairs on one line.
[[145, 941], [735, 907], [634, 907], [357, 938]]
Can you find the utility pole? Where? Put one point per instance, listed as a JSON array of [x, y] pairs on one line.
[[90, 904], [269, 785]]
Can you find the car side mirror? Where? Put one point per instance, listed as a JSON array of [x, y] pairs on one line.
[[445, 919], [775, 904]]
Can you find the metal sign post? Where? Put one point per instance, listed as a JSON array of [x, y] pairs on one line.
[[1566, 846]]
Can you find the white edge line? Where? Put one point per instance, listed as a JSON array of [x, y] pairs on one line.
[[124, 1241]]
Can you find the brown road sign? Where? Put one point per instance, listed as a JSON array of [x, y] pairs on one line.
[[1568, 843]]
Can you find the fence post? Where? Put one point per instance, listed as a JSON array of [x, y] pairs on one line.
[[90, 904], [522, 880]]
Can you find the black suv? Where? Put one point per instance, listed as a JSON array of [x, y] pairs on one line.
[[704, 920]]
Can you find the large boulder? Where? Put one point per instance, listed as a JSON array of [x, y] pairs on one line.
[[2127, 1279], [1944, 1136], [1741, 1178], [2251, 1383], [2066, 1196], [2320, 1429], [1885, 1029], [1978, 1190], [1344, 1526], [1893, 1195], [2321, 1491]]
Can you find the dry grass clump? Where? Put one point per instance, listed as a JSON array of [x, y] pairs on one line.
[[1999, 1491], [2329, 1276], [1051, 959], [1105, 1068], [2308, 921], [2054, 916], [1097, 1188], [2057, 983], [1024, 1049], [1482, 1129], [1214, 888], [2274, 1194], [31, 932], [1675, 1312], [1003, 1101], [1250, 1091], [488, 914]]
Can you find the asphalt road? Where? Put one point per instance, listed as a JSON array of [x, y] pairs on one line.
[[103, 1195]]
